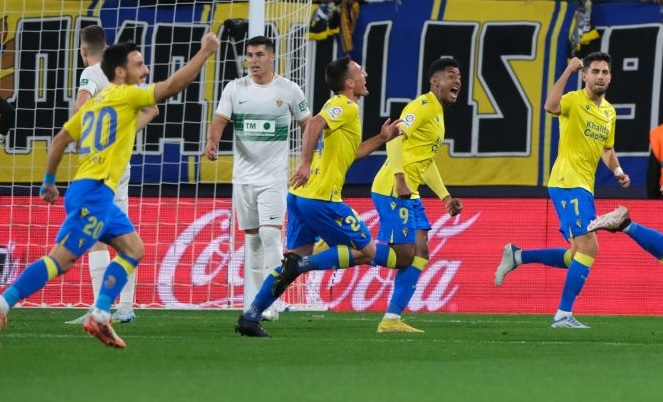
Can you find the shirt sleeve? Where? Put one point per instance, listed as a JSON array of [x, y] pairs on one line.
[[87, 82], [73, 125], [142, 96], [412, 118], [337, 115], [433, 179], [299, 106], [225, 108], [565, 103]]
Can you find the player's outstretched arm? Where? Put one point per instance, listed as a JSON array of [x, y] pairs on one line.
[[388, 132], [555, 95], [48, 191], [185, 76], [146, 115]]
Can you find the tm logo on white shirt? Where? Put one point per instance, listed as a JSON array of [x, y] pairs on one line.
[[259, 126]]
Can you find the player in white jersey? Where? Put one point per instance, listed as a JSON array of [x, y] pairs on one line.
[[261, 107], [92, 81]]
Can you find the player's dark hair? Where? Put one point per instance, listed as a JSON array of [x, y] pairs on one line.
[[336, 72], [116, 56], [596, 56], [261, 40], [441, 64], [93, 38]]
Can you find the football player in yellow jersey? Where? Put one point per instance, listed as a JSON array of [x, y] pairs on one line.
[[403, 235], [106, 129], [332, 141], [587, 134]]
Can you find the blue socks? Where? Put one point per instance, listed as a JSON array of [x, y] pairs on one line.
[[114, 280], [405, 284], [385, 256], [34, 278], [575, 279], [553, 257], [264, 298], [333, 258], [649, 239]]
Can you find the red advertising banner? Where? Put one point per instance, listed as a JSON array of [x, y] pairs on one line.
[[192, 261]]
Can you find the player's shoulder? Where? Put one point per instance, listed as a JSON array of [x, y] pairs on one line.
[[340, 106], [242, 82], [285, 82], [575, 95]]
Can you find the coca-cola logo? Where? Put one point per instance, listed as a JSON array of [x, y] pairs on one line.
[[203, 268]]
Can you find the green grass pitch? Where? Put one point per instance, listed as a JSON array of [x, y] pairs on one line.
[[196, 356]]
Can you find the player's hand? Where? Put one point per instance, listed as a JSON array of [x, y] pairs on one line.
[[210, 150], [623, 180], [300, 176], [209, 43], [390, 130], [402, 189], [575, 64], [49, 193], [453, 205]]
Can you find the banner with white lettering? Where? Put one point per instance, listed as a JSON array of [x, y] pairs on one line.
[[191, 261]]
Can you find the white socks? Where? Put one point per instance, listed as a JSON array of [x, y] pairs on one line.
[[98, 262], [253, 268]]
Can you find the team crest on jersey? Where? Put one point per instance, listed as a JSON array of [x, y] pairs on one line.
[[335, 112], [279, 102], [84, 81], [409, 119]]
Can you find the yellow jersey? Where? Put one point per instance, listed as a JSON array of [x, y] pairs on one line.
[[423, 127], [105, 128], [335, 151], [585, 130]]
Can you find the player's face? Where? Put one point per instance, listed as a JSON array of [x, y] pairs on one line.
[[261, 60], [446, 84], [136, 70], [358, 77], [597, 77]]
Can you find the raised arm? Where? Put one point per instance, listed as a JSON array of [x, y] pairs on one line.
[[555, 95], [146, 115], [185, 76], [388, 132]]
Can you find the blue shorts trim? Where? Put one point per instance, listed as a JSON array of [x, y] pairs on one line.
[[335, 222], [575, 209], [91, 216]]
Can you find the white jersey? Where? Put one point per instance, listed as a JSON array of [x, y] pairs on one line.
[[93, 79], [261, 117]]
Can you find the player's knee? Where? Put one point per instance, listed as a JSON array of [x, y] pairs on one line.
[[136, 250], [366, 254], [404, 255], [270, 236]]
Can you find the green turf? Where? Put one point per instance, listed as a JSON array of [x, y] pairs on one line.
[[196, 356]]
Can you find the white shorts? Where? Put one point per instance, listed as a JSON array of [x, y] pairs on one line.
[[259, 205], [122, 192]]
